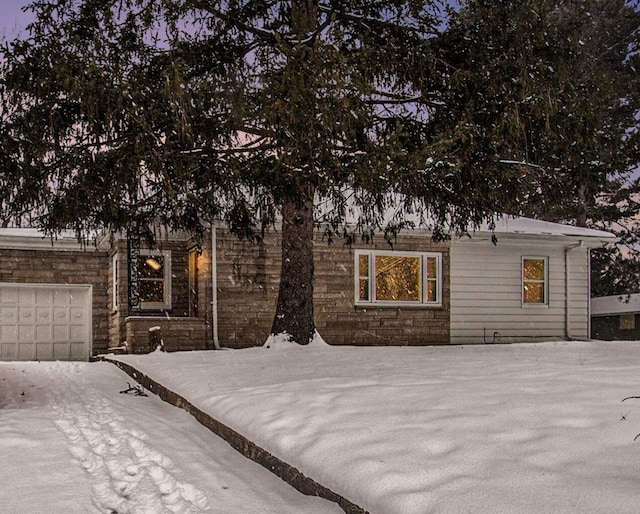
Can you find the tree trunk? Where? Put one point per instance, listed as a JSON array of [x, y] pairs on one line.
[[304, 16], [294, 309], [581, 215]]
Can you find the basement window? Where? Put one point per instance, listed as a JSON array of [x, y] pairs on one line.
[[535, 281], [398, 278], [154, 279]]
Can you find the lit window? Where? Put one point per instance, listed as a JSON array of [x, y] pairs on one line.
[[398, 277], [627, 321], [534, 280], [154, 284], [193, 282]]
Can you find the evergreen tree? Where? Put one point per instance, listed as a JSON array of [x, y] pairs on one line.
[[119, 113], [552, 89]]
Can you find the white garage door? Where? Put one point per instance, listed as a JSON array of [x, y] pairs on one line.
[[45, 322]]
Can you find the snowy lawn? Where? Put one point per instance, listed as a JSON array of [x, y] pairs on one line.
[[70, 443], [529, 428]]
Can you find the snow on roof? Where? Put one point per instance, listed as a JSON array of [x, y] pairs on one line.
[[529, 226], [611, 305], [35, 239], [506, 225], [30, 238]]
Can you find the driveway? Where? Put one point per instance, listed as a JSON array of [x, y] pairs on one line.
[[70, 442]]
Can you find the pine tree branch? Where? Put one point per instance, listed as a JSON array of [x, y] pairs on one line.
[[369, 22], [527, 164], [231, 20], [403, 101]]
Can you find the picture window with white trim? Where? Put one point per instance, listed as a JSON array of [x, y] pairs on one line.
[[398, 278]]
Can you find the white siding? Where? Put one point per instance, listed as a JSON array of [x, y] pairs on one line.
[[486, 292]]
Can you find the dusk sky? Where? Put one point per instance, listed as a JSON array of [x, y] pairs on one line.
[[12, 19]]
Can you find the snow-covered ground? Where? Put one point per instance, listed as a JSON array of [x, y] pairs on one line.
[[532, 428], [70, 443], [528, 428]]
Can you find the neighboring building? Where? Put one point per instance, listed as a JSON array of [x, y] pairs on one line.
[[59, 300], [616, 317]]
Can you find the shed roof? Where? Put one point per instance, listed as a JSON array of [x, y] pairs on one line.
[[613, 305]]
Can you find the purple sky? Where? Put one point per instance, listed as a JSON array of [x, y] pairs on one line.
[[12, 19]]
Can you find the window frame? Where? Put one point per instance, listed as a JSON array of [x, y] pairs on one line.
[[371, 279], [166, 303], [115, 272], [544, 282], [193, 280]]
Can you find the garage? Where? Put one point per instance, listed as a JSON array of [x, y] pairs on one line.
[[45, 322]]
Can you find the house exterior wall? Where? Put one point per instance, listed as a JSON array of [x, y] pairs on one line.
[[144, 334], [481, 291], [579, 292], [248, 278], [177, 330], [608, 328], [486, 292], [88, 267]]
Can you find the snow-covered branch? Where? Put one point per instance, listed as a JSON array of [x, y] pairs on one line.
[[525, 163]]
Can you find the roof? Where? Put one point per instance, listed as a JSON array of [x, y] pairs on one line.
[[613, 305], [35, 239], [67, 240], [531, 227], [509, 226]]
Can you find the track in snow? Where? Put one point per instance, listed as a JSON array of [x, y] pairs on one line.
[[129, 475]]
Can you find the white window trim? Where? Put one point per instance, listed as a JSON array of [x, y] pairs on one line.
[[391, 303], [114, 282], [531, 305], [166, 305]]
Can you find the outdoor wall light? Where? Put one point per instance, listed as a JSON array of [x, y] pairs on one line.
[[153, 264]]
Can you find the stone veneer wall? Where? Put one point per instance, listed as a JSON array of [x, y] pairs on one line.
[[248, 277], [179, 288], [182, 333], [177, 334], [65, 267]]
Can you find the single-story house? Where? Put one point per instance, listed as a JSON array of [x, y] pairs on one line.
[[63, 300], [616, 317]]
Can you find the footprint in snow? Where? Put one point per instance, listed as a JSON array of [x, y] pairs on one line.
[[130, 477]]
